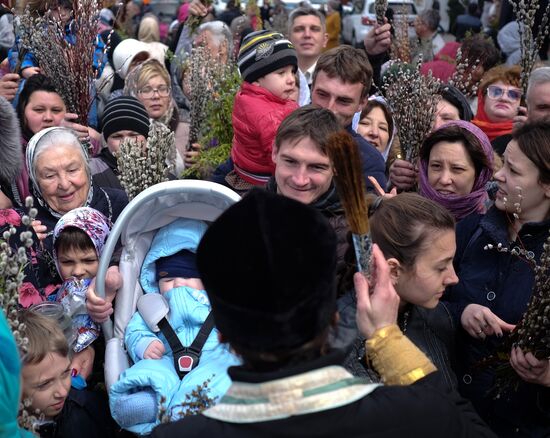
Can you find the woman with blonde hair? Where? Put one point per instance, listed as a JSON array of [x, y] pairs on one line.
[[149, 33], [150, 83]]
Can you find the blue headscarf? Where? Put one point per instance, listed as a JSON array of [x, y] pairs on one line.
[[10, 384]]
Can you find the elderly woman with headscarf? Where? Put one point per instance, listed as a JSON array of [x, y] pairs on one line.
[[40, 106], [456, 162], [61, 181]]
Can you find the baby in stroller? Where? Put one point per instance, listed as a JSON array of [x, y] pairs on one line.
[[176, 354]]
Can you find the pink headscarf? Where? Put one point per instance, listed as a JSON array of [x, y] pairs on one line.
[[462, 205]]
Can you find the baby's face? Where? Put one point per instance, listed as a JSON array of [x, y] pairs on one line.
[[168, 283]]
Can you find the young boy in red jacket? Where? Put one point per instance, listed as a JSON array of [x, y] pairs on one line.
[[267, 63]]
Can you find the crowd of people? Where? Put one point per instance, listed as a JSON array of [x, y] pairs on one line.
[[266, 327]]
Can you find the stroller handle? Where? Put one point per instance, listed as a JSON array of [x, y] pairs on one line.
[[208, 192]]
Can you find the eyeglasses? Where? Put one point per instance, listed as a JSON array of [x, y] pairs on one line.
[[496, 92], [149, 92]]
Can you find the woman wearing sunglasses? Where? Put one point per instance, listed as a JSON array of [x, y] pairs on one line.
[[499, 97]]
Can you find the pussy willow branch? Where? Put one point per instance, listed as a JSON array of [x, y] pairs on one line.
[[413, 99], [66, 56], [530, 44]]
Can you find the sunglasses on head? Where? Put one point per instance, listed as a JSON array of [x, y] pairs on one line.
[[496, 92]]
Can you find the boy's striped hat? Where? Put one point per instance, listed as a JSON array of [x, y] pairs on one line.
[[264, 52]]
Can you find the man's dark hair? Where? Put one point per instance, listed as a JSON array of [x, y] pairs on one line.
[[308, 121], [304, 11]]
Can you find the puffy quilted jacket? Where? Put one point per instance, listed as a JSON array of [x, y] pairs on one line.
[[257, 114]]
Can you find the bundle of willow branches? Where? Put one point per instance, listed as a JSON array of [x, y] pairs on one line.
[[532, 333], [202, 77], [402, 47], [12, 263], [217, 129], [350, 182], [144, 165], [530, 44], [65, 53], [462, 78], [15, 253], [413, 100]]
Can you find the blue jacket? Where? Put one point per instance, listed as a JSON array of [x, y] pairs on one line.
[[189, 309], [503, 283]]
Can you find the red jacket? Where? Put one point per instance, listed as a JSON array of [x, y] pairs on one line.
[[257, 114]]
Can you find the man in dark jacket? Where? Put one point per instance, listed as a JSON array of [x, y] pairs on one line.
[[341, 84], [277, 316]]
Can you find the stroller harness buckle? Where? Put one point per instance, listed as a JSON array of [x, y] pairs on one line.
[[187, 361], [186, 358]]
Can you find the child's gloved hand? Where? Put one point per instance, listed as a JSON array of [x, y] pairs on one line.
[[155, 350]]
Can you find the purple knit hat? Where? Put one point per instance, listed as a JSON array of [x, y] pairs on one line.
[[462, 205]]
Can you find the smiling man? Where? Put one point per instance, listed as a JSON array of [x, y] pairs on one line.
[[307, 32], [341, 84], [303, 170]]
